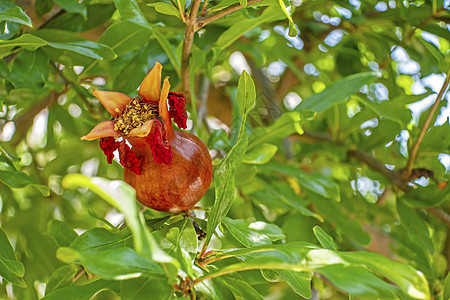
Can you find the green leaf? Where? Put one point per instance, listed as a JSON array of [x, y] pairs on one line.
[[260, 155], [358, 282], [166, 9], [73, 6], [408, 279], [122, 196], [83, 292], [333, 212], [338, 92], [426, 197], [300, 282], [63, 234], [240, 289], [224, 174], [99, 239], [26, 41], [316, 183], [117, 263], [15, 179], [10, 268], [415, 227], [185, 261], [246, 93], [129, 10], [447, 287], [246, 236], [124, 36], [284, 126], [324, 238], [270, 14], [349, 271], [293, 31], [63, 40], [144, 287], [42, 7], [13, 13], [61, 278]]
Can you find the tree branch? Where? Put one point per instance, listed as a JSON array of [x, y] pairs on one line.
[[203, 21], [187, 47], [426, 125]]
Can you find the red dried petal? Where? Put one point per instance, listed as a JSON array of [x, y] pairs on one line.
[[128, 158], [177, 109], [162, 153], [108, 146]]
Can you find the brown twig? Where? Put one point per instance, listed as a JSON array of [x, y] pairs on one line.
[[203, 21], [187, 47], [79, 274], [426, 125]]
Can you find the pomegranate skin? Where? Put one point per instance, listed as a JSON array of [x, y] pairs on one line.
[[175, 187]]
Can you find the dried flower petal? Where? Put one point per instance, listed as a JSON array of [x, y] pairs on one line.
[[101, 130], [177, 109], [114, 102], [151, 85], [108, 146], [162, 153], [128, 158]]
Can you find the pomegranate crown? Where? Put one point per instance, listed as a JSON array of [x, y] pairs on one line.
[[146, 116]]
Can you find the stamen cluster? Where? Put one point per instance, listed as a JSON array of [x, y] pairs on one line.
[[135, 114]]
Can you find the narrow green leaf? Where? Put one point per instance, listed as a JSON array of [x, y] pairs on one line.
[[73, 6], [358, 282], [324, 238], [143, 288], [15, 179], [63, 234], [124, 36], [245, 235], [316, 183], [129, 10], [415, 227], [83, 292], [10, 268], [117, 263], [26, 41], [122, 196], [224, 174], [13, 13], [447, 287], [166, 9], [300, 282], [64, 40], [284, 126], [408, 279], [293, 31], [61, 278], [240, 289], [260, 155], [350, 271], [99, 239], [338, 92], [246, 93], [270, 14]]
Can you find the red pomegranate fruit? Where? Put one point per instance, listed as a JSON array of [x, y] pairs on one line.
[[170, 170]]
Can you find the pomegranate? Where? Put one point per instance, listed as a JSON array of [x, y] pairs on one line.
[[170, 170]]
